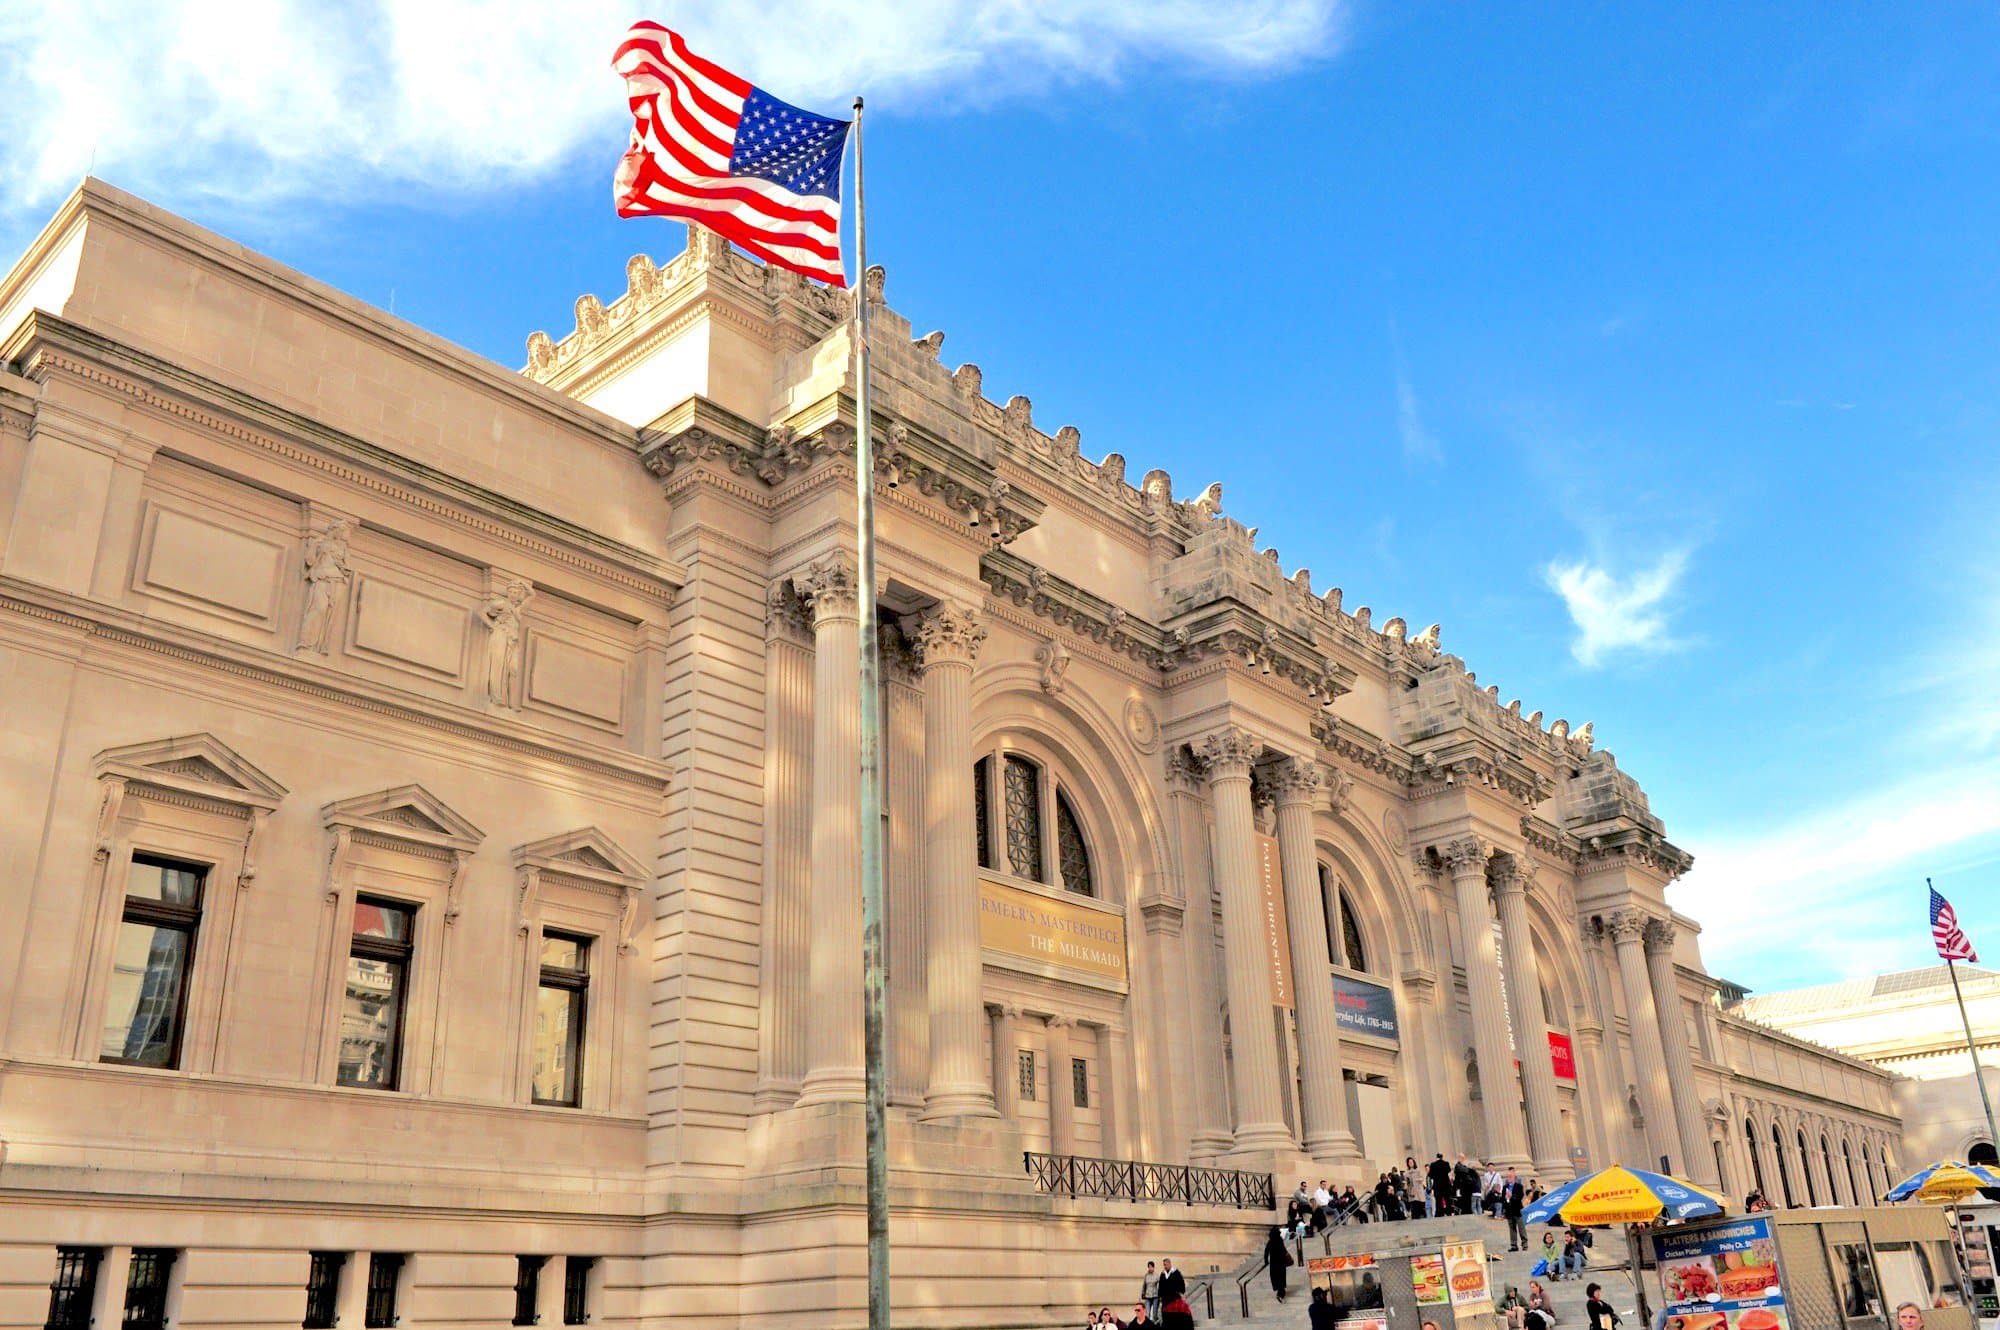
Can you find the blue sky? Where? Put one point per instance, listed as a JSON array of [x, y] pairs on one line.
[[1653, 350]]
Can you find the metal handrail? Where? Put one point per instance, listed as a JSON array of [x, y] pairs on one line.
[[1207, 1287], [1137, 1180]]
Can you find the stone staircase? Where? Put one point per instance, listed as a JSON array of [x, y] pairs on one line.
[[1607, 1267]]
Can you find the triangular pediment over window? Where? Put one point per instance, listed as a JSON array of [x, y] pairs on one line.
[[200, 765], [584, 853], [407, 813]]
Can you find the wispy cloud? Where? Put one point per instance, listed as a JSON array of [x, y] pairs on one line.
[[1613, 613], [294, 100], [1419, 444]]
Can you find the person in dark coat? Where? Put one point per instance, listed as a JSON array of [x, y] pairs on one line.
[[1514, 1199], [1177, 1315], [1173, 1286], [1322, 1314], [1279, 1260], [1439, 1174]]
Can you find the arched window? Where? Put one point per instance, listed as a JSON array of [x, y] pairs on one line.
[[1832, 1179], [1351, 946], [1868, 1170], [1040, 837], [1756, 1161], [1784, 1172], [1343, 927], [1805, 1167], [1855, 1190], [1982, 1152]]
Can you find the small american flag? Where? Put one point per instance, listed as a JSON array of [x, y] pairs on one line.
[[1952, 943], [710, 148]]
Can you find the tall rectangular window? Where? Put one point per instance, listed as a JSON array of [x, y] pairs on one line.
[[146, 1288], [576, 1289], [559, 1012], [147, 1004], [323, 1289], [1079, 1082], [385, 1272], [378, 981], [527, 1287], [74, 1288], [1025, 1060]]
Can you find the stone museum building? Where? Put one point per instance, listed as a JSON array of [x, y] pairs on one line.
[[429, 882]]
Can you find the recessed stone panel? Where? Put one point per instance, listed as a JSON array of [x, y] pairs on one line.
[[194, 559], [409, 628], [570, 678]]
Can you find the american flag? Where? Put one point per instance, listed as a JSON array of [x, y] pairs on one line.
[[710, 148], [1952, 943]]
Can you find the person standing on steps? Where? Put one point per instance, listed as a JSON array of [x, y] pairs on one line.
[[1278, 1259], [1149, 1291], [1513, 1199], [1437, 1191], [1601, 1313], [1173, 1285]]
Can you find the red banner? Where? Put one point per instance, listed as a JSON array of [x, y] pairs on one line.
[[1562, 1056]]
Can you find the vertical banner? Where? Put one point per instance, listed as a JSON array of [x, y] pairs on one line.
[[1465, 1273], [1562, 1056], [1277, 936]]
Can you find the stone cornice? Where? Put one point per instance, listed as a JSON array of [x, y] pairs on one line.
[[1358, 747], [1636, 847], [211, 653], [52, 346]]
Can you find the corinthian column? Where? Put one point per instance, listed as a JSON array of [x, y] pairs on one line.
[[1505, 1144], [1322, 1097], [948, 638], [1260, 1118], [1628, 937], [1531, 1024], [834, 1059], [1698, 1158], [787, 925], [1062, 1089]]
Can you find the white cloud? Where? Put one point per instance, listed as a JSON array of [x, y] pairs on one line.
[[264, 103], [1419, 444], [1613, 614]]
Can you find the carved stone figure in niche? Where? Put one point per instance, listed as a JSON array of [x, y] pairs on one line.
[[326, 573], [502, 616]]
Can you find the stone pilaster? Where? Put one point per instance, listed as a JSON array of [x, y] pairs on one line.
[[948, 638], [1205, 1115], [788, 712], [1323, 1097], [1117, 1123], [1006, 1047], [1686, 1092], [1531, 1024], [1603, 1075], [1260, 1118], [834, 1057], [1506, 1143], [1062, 1095], [1656, 1100]]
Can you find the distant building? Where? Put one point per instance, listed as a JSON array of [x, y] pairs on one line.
[[1907, 1023]]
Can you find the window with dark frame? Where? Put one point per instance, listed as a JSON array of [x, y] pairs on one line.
[[74, 1288], [576, 1289], [1025, 1060], [385, 1273], [527, 1287], [559, 1015], [147, 1004], [1079, 1082], [146, 1288], [378, 979], [1026, 825], [323, 1289]]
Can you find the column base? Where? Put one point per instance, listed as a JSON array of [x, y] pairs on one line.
[[1334, 1148], [834, 1085], [770, 1096], [958, 1101], [1552, 1173], [1209, 1145], [1264, 1138]]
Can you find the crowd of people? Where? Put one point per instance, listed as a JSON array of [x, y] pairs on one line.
[[1413, 1192], [1162, 1303]]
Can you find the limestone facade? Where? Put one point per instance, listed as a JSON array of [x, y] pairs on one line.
[[432, 827]]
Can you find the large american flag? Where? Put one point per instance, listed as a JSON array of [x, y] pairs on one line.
[[1952, 943], [710, 148]]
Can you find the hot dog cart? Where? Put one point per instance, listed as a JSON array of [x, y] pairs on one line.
[[1820, 1269]]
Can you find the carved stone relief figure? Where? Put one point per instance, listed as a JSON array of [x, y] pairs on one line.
[[502, 616], [326, 573]]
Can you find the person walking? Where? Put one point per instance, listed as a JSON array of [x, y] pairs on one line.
[[1173, 1286], [1603, 1316], [1513, 1199], [1278, 1259], [1149, 1291]]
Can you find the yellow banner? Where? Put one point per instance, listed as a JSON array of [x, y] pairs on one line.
[[1049, 935], [1277, 933]]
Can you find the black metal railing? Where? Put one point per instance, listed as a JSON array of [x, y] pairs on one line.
[[1135, 1180]]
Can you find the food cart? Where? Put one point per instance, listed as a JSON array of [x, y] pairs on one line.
[[1377, 1278], [1821, 1269], [1979, 1257]]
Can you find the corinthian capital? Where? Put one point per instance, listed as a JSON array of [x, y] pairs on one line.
[[1465, 856], [830, 586], [1627, 925], [1229, 753], [948, 634], [1660, 934], [1295, 780]]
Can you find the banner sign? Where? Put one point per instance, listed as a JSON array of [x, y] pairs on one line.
[[1427, 1277], [1722, 1277], [1364, 1008], [1562, 1054], [1465, 1276], [1277, 936], [1025, 929]]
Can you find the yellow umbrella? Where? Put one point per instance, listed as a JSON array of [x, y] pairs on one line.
[[1946, 1182], [1630, 1196]]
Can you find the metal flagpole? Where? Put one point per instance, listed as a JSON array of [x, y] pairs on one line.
[[872, 1023], [1971, 1048]]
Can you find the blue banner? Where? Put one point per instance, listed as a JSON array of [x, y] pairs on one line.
[[1365, 1008]]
